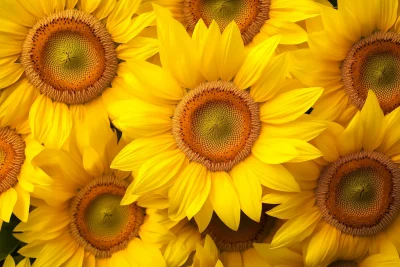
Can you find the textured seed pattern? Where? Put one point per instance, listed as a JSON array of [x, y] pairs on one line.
[[216, 124], [99, 223], [70, 57], [12, 157], [360, 193], [374, 64]]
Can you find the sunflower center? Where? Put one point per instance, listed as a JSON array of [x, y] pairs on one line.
[[250, 15], [249, 232], [374, 64], [359, 194], [70, 57], [343, 264], [99, 223], [12, 156], [216, 125]]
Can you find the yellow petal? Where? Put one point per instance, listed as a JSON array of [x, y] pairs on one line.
[[154, 80], [392, 133], [250, 257], [209, 56], [203, 217], [306, 171], [144, 120], [290, 31], [249, 189], [179, 249], [297, 229], [255, 63], [269, 83], [24, 263], [274, 150], [57, 251], [231, 52], [104, 9], [121, 15], [293, 10], [21, 209], [301, 129], [17, 13], [186, 190], [293, 206], [152, 174], [289, 106], [331, 105], [133, 155], [41, 117], [380, 260], [39, 8], [176, 46], [373, 122], [139, 48], [367, 16], [231, 259], [89, 5], [351, 140], [279, 256], [76, 259], [9, 262], [13, 108], [9, 74], [223, 191], [7, 203], [124, 34], [61, 126], [323, 246], [92, 162]]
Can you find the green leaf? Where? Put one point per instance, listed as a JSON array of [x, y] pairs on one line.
[[8, 243]]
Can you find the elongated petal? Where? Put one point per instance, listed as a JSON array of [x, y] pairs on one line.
[[372, 119], [223, 191], [41, 117], [7, 203], [323, 246], [249, 190], [297, 229], [9, 74], [231, 54], [279, 256], [289, 106], [256, 62], [190, 183]]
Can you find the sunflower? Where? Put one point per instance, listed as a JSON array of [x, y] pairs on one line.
[[357, 51], [211, 127], [18, 176], [57, 56], [374, 260], [352, 204], [257, 19], [85, 224], [9, 262], [218, 245]]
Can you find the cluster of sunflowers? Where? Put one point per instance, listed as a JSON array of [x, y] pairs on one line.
[[204, 133]]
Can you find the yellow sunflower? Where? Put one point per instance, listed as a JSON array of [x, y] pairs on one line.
[[352, 205], [356, 50], [212, 124], [9, 262], [56, 56], [81, 222], [18, 177], [218, 245], [257, 19]]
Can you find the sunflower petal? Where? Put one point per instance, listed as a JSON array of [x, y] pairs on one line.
[[372, 119], [223, 191]]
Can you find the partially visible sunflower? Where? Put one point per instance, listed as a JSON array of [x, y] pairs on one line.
[[9, 262], [213, 123], [81, 222], [352, 205], [356, 50], [56, 56], [218, 245], [18, 176], [374, 260], [257, 19]]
